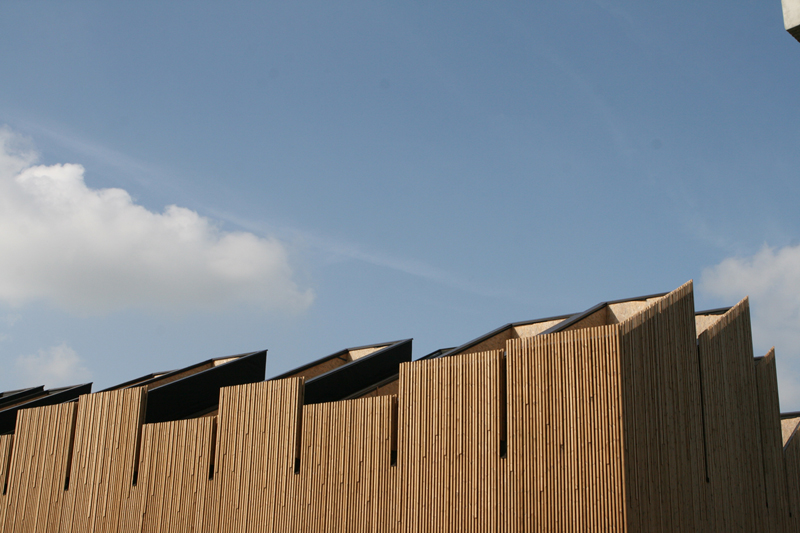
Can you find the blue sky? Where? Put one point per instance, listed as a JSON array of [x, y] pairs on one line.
[[345, 174]]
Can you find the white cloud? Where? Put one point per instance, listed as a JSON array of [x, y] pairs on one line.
[[771, 278], [54, 367], [95, 250]]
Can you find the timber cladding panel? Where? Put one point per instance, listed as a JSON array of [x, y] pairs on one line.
[[736, 496], [173, 492], [636, 426], [104, 457], [449, 444], [565, 462], [769, 417], [256, 449], [345, 481], [662, 416], [41, 461]]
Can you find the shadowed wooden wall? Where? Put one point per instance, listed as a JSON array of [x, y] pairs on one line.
[[662, 416], [634, 426]]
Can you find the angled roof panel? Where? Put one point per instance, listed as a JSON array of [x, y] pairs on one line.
[[185, 394], [356, 377], [9, 398], [497, 338], [8, 415]]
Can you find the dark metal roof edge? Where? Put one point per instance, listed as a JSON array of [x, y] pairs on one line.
[[567, 320], [539, 320], [795, 32], [173, 372], [574, 319], [637, 298], [149, 378], [434, 354], [315, 362], [238, 357], [9, 393], [60, 390], [140, 381], [70, 394], [183, 397], [717, 311], [469, 344], [791, 437], [595, 308], [334, 355], [19, 394], [46, 394], [373, 355], [359, 375], [383, 344]]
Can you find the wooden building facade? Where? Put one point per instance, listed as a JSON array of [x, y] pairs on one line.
[[635, 416]]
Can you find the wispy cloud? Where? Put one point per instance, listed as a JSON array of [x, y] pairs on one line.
[[96, 250], [150, 176], [131, 168], [339, 249]]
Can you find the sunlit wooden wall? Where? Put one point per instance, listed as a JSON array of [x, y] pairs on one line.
[[639, 426], [564, 462]]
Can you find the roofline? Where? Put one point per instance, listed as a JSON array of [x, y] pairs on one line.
[[293, 371], [567, 321]]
